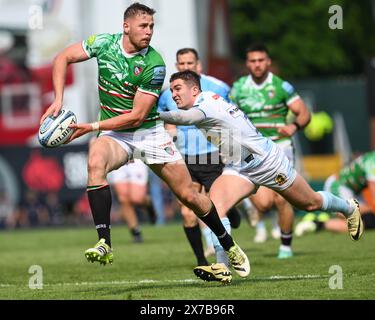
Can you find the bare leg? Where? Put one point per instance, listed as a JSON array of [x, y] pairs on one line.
[[336, 225], [177, 176], [105, 154], [227, 191], [224, 200], [263, 201], [126, 207]]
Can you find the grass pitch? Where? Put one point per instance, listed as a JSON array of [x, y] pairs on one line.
[[161, 267]]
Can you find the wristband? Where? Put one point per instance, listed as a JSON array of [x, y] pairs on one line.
[[95, 126]]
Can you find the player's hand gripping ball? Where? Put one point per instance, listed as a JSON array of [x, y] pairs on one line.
[[55, 131]]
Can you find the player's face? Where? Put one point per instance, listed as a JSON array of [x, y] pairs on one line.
[[183, 94], [258, 63], [139, 29], [188, 61]]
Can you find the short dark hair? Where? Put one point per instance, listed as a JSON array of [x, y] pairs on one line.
[[188, 76], [257, 46], [137, 8], [187, 50]]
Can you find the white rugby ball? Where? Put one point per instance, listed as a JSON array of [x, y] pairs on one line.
[[54, 131]]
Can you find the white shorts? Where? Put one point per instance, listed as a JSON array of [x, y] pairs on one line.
[[288, 148], [274, 172], [135, 172], [152, 145]]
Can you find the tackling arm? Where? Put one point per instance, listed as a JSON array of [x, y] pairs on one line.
[[188, 117]]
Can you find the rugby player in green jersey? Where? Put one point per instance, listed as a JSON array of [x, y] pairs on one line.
[[266, 100], [355, 179], [130, 77]]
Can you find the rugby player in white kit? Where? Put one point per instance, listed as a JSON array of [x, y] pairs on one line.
[[251, 160]]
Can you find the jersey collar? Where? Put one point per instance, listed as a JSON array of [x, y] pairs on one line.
[[143, 52], [197, 100], [263, 84]]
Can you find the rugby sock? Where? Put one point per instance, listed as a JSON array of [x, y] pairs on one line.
[[135, 231], [286, 238], [221, 255], [212, 220], [331, 203], [319, 225], [260, 225], [195, 239], [247, 204], [234, 217], [207, 236], [151, 210], [136, 234], [100, 200]]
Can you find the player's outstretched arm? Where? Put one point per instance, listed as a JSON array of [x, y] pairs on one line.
[[71, 54], [142, 106], [188, 117]]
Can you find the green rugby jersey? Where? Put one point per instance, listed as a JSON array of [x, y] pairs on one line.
[[356, 175], [266, 104], [120, 75]]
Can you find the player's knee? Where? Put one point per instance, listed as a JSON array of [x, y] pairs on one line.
[[123, 198], [138, 200], [264, 205], [188, 197], [96, 164]]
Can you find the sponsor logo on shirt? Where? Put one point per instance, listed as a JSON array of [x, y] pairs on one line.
[[91, 39], [140, 62], [158, 76], [287, 87]]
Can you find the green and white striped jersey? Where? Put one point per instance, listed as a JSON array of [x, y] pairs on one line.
[[266, 104], [361, 170], [120, 75]]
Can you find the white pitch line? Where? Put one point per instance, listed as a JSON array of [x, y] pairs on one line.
[[150, 281]]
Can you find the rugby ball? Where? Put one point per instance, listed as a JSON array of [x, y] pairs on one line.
[[54, 131]]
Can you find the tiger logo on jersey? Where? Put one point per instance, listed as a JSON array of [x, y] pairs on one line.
[[280, 179], [169, 150], [137, 70]]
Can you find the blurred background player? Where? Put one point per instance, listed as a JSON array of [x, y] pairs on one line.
[[355, 179], [266, 99], [130, 185], [201, 157]]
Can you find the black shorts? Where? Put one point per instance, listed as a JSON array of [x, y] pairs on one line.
[[368, 221], [204, 174]]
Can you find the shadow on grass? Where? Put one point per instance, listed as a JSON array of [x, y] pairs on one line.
[[150, 291], [295, 254]]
